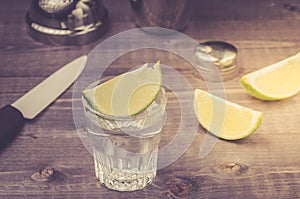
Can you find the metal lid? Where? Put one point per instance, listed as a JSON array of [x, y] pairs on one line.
[[71, 22], [215, 59]]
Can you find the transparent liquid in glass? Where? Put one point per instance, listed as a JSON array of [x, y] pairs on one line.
[[125, 148]]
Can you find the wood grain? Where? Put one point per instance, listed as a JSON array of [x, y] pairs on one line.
[[48, 159]]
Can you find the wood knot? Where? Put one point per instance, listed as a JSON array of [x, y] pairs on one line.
[[291, 8], [179, 189], [233, 168], [44, 175], [182, 187]]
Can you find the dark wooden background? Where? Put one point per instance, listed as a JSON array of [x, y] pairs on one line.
[[264, 165]]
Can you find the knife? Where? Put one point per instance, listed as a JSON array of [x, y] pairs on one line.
[[13, 116]]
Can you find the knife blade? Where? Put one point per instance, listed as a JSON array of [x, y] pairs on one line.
[[13, 117]]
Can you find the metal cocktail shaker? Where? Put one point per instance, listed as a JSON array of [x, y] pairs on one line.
[[66, 22], [172, 14]]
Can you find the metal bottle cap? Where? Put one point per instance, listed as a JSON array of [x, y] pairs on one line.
[[66, 22], [214, 58]]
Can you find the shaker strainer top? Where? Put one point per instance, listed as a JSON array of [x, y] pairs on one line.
[[66, 22], [52, 6]]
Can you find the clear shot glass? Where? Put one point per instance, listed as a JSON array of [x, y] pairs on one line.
[[125, 148]]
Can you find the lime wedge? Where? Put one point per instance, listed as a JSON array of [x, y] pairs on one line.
[[127, 94], [275, 82], [235, 122]]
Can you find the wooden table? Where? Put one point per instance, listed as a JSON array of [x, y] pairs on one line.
[[264, 165]]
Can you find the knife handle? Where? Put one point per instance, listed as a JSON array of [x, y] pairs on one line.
[[11, 122]]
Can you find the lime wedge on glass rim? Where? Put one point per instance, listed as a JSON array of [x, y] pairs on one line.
[[275, 82], [236, 122], [127, 94]]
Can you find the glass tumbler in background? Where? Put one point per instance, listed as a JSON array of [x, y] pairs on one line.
[[125, 148], [171, 14]]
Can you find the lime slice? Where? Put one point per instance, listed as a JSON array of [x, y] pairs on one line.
[[225, 119], [275, 82], [127, 94]]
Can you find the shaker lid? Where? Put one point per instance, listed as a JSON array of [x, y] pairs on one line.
[[220, 54]]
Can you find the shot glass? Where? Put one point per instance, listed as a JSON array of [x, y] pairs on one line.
[[125, 149]]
